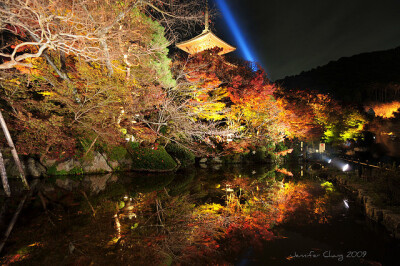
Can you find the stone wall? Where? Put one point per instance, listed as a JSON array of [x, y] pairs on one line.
[[381, 215]]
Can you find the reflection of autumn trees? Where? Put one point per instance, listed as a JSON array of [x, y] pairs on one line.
[[243, 215]]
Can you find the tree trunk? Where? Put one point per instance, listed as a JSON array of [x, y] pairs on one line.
[[4, 176], [13, 150]]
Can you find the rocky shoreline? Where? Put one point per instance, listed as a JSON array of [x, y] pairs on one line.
[[381, 215]]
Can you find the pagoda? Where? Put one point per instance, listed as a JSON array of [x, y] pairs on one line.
[[206, 40]]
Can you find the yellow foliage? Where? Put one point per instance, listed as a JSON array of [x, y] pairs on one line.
[[211, 208], [46, 93]]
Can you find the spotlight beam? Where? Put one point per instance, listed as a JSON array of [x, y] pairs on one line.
[[235, 30]]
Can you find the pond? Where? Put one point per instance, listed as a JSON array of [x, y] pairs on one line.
[[228, 215]]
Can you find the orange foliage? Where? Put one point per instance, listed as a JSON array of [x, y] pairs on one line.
[[385, 110], [284, 171], [284, 153], [306, 113]]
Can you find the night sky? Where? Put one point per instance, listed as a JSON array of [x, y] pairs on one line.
[[290, 36]]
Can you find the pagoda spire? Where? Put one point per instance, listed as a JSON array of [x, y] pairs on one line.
[[206, 23]]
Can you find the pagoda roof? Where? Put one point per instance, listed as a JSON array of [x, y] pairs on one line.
[[204, 41]]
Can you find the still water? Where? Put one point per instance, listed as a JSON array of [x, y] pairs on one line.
[[228, 215]]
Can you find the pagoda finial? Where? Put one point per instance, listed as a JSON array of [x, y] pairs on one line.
[[206, 19], [206, 40]]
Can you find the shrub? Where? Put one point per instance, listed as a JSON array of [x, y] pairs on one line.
[[257, 155], [185, 156], [153, 158], [118, 153]]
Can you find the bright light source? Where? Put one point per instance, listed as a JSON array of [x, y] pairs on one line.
[[330, 160], [345, 167], [346, 203]]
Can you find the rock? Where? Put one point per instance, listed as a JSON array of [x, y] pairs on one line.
[[368, 200], [378, 215], [97, 165], [392, 222], [48, 163], [203, 160], [370, 210], [216, 160], [68, 165], [34, 168], [113, 164], [386, 218], [361, 195], [203, 165], [125, 164], [97, 183], [12, 169], [66, 184], [216, 167]]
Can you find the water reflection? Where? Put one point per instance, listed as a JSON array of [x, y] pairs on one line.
[[202, 216]]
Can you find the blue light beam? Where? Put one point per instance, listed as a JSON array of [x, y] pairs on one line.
[[235, 30]]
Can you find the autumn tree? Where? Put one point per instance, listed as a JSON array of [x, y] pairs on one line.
[[193, 111], [311, 115], [221, 100], [254, 110], [88, 67], [95, 31]]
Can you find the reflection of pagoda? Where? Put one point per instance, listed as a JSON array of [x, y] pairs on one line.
[[206, 40]]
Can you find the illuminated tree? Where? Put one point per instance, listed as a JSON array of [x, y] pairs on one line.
[[308, 114], [95, 31], [91, 72], [385, 110], [233, 99], [254, 111]]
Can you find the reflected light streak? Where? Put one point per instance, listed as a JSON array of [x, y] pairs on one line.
[[235, 30], [346, 203]]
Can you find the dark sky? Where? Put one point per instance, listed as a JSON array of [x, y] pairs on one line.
[[290, 36]]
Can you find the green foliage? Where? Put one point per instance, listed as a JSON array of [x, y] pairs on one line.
[[348, 125], [328, 186], [133, 145], [118, 153], [52, 171], [270, 174], [185, 156], [156, 64], [154, 158], [280, 147]]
